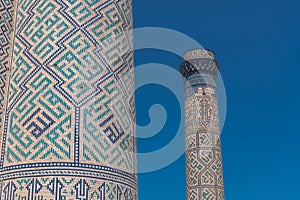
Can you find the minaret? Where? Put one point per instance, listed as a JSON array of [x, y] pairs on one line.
[[204, 176], [68, 127]]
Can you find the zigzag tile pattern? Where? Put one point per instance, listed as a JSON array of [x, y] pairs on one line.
[[6, 27], [69, 130]]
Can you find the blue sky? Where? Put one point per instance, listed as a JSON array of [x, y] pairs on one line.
[[258, 47]]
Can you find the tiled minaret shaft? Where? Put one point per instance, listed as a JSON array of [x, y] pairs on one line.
[[69, 117], [204, 176]]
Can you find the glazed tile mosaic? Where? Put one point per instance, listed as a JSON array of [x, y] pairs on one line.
[[204, 175], [68, 110]]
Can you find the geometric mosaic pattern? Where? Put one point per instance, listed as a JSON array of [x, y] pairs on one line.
[[68, 124], [67, 187], [6, 26], [204, 175]]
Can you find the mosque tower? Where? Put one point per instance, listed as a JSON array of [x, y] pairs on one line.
[[68, 122], [204, 176]]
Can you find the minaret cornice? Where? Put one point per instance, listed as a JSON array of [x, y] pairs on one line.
[[199, 61]]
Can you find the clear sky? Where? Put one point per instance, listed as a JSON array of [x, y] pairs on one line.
[[258, 47]]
